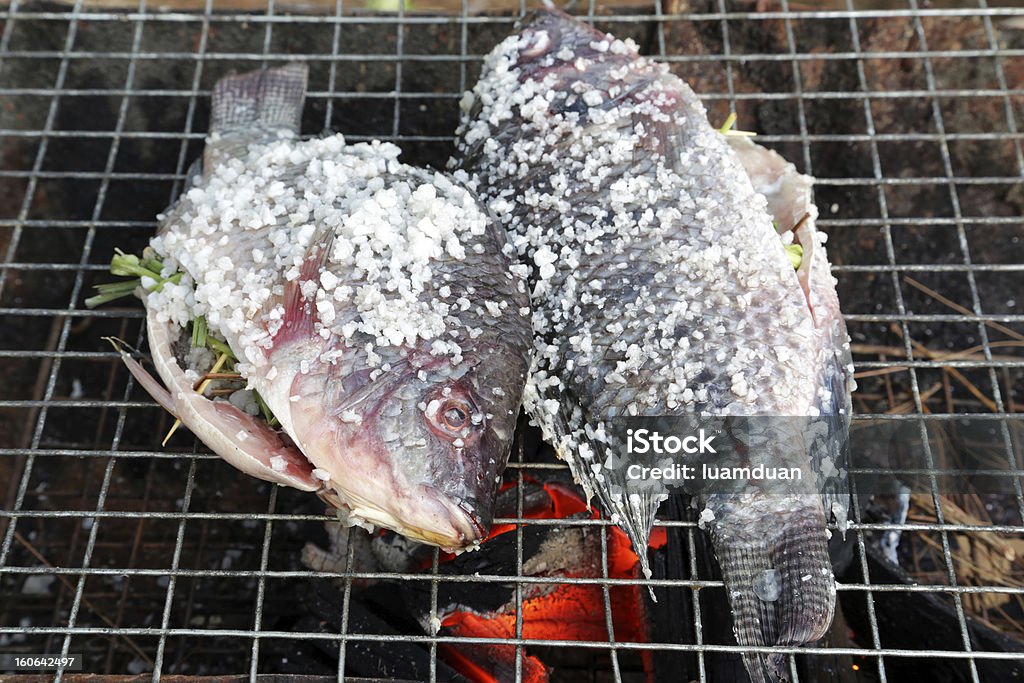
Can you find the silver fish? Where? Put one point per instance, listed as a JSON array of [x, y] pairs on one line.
[[368, 303], [661, 287]]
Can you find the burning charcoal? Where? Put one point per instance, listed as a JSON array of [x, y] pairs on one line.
[[489, 662], [391, 552], [394, 658], [488, 609], [549, 611], [537, 502], [544, 551], [340, 537]]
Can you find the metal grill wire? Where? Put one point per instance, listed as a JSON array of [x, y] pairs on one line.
[[137, 546]]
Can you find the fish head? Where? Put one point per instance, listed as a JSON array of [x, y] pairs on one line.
[[415, 444]]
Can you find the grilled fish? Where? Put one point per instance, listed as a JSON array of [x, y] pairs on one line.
[[367, 302], [661, 286]]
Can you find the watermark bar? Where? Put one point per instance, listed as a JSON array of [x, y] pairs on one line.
[[708, 455], [40, 662]]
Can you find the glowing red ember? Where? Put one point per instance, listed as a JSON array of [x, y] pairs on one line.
[[556, 611]]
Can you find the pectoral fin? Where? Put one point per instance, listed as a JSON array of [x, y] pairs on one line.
[[244, 441]]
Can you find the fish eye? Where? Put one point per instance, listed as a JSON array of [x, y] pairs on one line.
[[451, 412], [455, 414]]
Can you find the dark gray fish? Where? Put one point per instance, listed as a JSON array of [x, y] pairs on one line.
[[660, 286], [369, 304]]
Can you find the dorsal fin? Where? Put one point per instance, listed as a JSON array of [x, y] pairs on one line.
[[268, 98]]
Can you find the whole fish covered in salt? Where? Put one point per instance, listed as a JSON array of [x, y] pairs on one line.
[[655, 248], [368, 304]]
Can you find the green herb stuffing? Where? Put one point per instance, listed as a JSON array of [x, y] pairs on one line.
[[727, 128], [147, 272], [199, 336], [796, 255], [144, 272]]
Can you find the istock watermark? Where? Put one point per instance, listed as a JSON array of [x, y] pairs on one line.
[[702, 455], [641, 441]]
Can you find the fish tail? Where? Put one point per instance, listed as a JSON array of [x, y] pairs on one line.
[[801, 611], [267, 98], [636, 519]]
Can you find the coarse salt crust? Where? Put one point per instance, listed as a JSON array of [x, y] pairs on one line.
[[659, 283], [356, 231], [642, 204]]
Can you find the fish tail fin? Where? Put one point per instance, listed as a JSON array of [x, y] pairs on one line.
[[267, 98], [780, 588], [636, 519]]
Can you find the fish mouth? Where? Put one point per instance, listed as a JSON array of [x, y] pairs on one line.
[[366, 480], [430, 517], [468, 527]]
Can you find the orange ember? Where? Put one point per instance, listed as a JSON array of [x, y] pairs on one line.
[[559, 612], [487, 663]]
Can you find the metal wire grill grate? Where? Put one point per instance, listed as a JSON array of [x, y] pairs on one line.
[[167, 561]]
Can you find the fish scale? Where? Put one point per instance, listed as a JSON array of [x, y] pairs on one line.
[[660, 286]]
